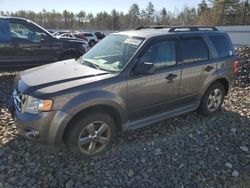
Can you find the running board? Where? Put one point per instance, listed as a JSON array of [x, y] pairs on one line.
[[158, 117]]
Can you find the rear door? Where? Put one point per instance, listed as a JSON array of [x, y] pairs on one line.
[[197, 67], [29, 45]]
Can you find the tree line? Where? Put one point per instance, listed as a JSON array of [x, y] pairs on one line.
[[209, 12]]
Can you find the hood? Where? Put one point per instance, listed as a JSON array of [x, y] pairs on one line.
[[57, 77]]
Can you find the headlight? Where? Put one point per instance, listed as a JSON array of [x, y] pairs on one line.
[[34, 106]]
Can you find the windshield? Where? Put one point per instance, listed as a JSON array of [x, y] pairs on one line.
[[112, 53]]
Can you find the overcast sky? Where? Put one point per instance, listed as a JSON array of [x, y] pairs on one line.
[[93, 6]]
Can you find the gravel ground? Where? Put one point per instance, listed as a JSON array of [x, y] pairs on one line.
[[186, 151]]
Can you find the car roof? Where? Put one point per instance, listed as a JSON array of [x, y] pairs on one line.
[[14, 18], [150, 32], [145, 33]]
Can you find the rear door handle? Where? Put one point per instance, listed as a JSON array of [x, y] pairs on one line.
[[208, 68], [171, 76]]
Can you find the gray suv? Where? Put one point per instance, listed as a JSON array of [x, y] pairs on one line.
[[129, 80]]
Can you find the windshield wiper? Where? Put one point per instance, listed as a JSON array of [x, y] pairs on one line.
[[90, 64], [93, 65]]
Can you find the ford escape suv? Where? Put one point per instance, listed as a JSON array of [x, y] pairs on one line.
[[128, 80], [24, 43]]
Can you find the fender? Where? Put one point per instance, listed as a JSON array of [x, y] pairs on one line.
[[95, 98], [86, 100]]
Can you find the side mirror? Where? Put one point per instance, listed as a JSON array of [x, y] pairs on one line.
[[43, 37], [144, 68]]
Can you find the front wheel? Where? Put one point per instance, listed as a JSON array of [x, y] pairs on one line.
[[92, 43], [90, 135], [213, 99]]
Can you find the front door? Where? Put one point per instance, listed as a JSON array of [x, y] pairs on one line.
[[28, 45], [6, 52], [149, 94]]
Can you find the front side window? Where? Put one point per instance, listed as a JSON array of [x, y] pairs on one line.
[[194, 50], [4, 31], [112, 53], [161, 54], [21, 32]]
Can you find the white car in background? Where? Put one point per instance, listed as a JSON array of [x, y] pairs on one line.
[[92, 38]]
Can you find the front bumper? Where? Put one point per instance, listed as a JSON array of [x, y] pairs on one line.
[[45, 127]]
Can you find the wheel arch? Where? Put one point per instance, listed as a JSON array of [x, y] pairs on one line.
[[111, 110], [225, 83], [221, 80]]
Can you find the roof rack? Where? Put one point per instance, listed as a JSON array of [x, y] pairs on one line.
[[153, 27], [192, 28], [179, 28]]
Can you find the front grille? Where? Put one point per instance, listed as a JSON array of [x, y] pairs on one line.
[[17, 98]]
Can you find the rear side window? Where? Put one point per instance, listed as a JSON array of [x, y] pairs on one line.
[[222, 45], [5, 35], [194, 50]]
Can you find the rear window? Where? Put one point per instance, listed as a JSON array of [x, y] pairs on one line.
[[194, 50], [4, 31], [88, 35], [222, 45]]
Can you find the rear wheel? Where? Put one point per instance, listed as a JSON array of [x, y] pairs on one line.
[[213, 99], [90, 135]]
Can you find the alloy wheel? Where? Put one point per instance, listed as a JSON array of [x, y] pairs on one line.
[[214, 99], [94, 137]]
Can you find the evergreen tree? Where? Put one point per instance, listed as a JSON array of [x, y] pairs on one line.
[[150, 11]]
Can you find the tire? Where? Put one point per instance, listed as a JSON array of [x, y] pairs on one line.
[[90, 135], [212, 100]]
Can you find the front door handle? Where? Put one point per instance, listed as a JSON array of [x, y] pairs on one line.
[[171, 76], [209, 68]]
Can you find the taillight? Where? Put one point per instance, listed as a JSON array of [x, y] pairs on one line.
[[236, 66]]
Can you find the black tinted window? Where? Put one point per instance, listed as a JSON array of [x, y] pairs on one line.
[[4, 31], [23, 33], [222, 45], [162, 54], [194, 50], [88, 35]]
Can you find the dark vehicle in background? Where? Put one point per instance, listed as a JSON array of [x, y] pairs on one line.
[[99, 35], [24, 43], [57, 33], [73, 35], [51, 32], [128, 80]]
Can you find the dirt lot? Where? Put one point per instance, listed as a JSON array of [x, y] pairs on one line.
[[187, 151]]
